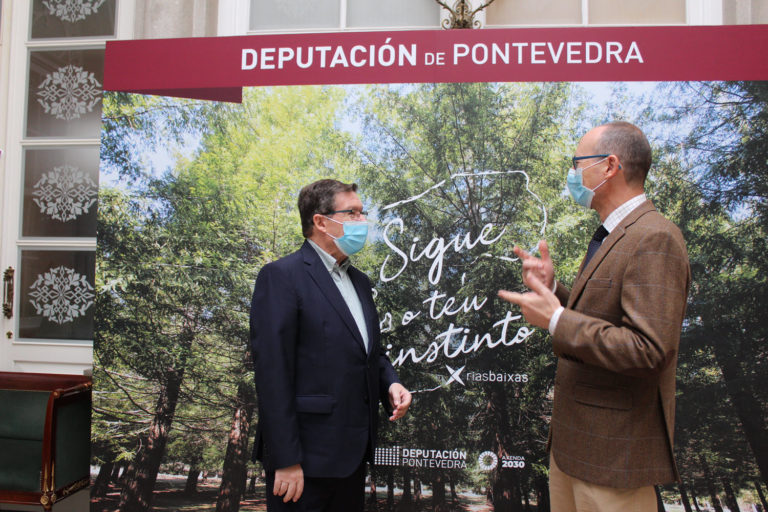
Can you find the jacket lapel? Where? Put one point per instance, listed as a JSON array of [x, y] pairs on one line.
[[369, 309], [322, 278], [585, 272]]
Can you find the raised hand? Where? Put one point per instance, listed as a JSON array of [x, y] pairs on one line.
[[541, 268]]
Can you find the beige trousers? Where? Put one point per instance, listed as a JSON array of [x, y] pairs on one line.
[[569, 494]]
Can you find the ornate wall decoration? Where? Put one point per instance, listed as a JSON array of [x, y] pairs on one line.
[[61, 295], [72, 10], [462, 15], [65, 193], [69, 92]]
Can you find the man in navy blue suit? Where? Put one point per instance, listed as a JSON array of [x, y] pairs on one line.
[[320, 371]]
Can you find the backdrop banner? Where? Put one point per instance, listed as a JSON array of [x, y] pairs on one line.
[[460, 142], [217, 68]]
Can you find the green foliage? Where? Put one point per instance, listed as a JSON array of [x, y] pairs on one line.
[[178, 253], [134, 124], [711, 180], [482, 160]]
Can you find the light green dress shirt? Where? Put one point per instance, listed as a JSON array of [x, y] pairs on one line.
[[344, 284]]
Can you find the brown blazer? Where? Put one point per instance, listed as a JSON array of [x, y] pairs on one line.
[[617, 343]]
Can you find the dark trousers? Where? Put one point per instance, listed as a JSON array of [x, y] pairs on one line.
[[323, 494]]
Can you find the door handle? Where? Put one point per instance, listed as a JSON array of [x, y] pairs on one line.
[[8, 292]]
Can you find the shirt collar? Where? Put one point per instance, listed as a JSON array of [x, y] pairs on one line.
[[622, 211], [329, 261]]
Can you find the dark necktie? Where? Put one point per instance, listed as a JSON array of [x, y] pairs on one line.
[[594, 244]]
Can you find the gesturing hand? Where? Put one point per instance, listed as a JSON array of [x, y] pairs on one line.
[[541, 268], [537, 306]]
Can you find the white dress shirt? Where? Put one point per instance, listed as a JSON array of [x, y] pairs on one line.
[[610, 224]]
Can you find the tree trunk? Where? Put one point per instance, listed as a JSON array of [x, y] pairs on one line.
[[695, 502], [373, 503], [526, 500], [252, 483], [713, 497], [505, 484], [761, 495], [438, 493], [190, 488], [452, 486], [659, 501], [390, 489], [755, 426], [116, 472], [416, 488], [101, 484], [684, 498], [506, 492], [730, 496], [407, 498], [235, 471], [542, 494], [710, 485], [140, 478]]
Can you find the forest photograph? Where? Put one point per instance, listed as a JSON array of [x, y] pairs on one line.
[[196, 196]]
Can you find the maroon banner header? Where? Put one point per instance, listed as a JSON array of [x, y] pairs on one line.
[[218, 68]]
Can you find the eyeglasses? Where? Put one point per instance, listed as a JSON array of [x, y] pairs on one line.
[[353, 214], [575, 159]]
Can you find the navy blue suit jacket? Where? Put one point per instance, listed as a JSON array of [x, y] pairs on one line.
[[317, 387]]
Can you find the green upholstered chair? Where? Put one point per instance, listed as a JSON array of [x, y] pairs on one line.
[[45, 430]]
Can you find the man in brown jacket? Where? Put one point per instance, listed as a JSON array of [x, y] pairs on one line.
[[616, 334]]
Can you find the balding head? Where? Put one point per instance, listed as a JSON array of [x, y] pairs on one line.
[[627, 142]]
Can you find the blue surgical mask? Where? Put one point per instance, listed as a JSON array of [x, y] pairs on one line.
[[354, 237], [581, 194]]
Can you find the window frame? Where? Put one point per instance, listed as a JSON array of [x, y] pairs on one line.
[[234, 19], [16, 47]]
